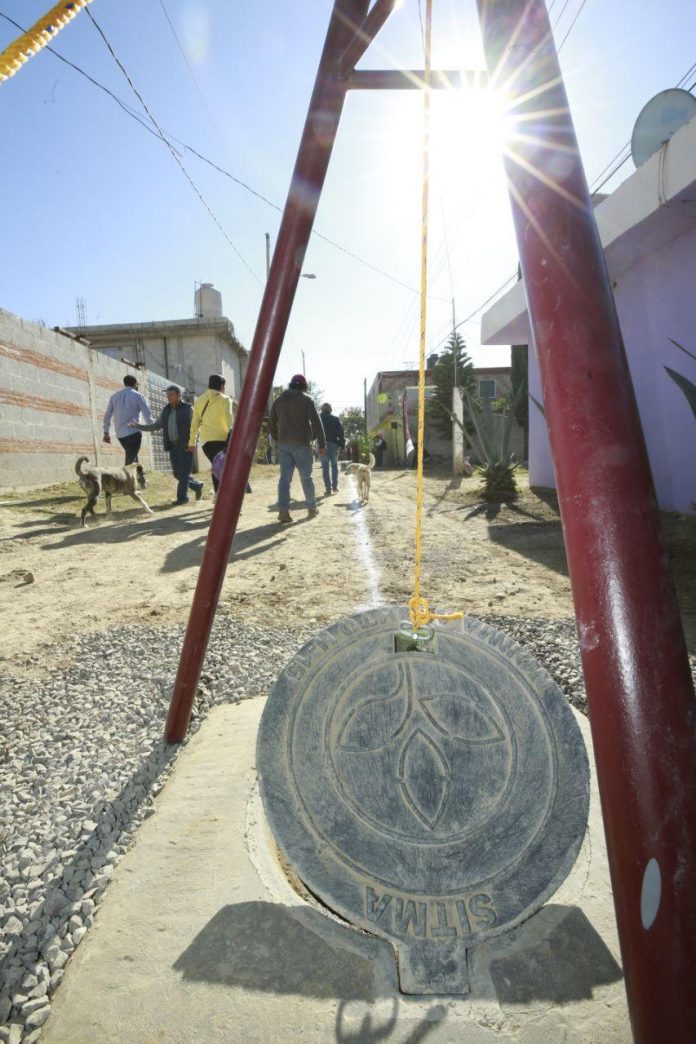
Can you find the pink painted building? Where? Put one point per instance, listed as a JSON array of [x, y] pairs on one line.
[[648, 230]]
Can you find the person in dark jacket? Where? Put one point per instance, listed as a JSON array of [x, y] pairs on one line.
[[335, 440], [379, 446], [175, 424], [293, 422]]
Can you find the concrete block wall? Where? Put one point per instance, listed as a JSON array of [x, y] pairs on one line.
[[53, 394]]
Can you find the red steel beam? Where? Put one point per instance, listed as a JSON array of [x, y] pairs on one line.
[[312, 162], [413, 79], [365, 34], [639, 689]]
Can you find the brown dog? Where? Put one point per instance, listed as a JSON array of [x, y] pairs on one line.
[[94, 481]]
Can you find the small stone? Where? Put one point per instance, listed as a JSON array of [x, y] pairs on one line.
[[39, 991], [59, 961], [78, 935], [56, 979], [34, 1005], [13, 927], [15, 1036], [37, 1018]]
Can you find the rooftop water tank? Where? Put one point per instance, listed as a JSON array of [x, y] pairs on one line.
[[207, 302]]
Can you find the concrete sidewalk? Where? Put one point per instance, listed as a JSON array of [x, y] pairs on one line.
[[201, 939]]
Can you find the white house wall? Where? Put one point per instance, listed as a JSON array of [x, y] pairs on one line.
[[656, 301]]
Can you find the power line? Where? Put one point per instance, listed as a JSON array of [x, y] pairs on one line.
[[561, 14], [172, 150], [577, 15], [596, 186], [211, 163], [191, 73]]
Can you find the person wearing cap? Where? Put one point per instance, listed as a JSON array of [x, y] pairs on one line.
[[212, 420], [335, 440], [293, 423], [175, 424]]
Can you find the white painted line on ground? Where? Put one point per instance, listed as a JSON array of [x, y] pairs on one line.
[[361, 532]]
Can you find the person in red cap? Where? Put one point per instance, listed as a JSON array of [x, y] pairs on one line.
[[293, 423]]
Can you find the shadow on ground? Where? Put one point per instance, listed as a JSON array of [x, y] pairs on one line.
[[268, 947], [371, 1029], [542, 542], [120, 532], [247, 544], [556, 956]]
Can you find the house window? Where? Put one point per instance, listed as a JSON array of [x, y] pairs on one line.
[[487, 388]]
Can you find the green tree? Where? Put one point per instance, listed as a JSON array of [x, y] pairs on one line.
[[454, 358], [316, 393], [519, 375], [353, 421]]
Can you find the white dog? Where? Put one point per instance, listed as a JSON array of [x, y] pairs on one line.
[[362, 473]]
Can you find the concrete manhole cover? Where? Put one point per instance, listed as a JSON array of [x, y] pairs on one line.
[[435, 799]]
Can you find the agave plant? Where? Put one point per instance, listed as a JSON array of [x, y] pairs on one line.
[[499, 465]]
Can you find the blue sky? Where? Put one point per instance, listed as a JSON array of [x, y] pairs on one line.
[[95, 207]]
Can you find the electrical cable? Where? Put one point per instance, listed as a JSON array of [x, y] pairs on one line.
[[192, 73], [172, 150], [577, 15], [215, 166]]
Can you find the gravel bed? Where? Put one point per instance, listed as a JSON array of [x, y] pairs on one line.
[[81, 761], [554, 644]]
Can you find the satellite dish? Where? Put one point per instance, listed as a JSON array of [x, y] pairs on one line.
[[659, 119]]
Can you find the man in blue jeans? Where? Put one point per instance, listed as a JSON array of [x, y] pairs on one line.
[[335, 440], [175, 424], [293, 422]]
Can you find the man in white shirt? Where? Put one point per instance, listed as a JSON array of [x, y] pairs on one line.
[[125, 406]]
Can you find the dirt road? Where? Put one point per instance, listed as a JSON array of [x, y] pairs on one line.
[[503, 560]]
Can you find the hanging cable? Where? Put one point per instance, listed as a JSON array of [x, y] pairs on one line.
[[171, 149], [192, 74]]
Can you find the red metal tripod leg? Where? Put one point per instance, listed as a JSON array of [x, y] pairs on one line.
[[312, 163], [639, 689]]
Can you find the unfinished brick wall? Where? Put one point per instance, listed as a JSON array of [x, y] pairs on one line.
[[53, 394]]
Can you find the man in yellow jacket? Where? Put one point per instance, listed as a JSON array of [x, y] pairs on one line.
[[212, 420]]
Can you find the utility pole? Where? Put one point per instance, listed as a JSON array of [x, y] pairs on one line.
[[304, 364], [365, 403], [454, 344], [268, 254]]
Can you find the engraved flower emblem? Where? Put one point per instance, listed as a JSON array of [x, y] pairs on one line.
[[415, 726]]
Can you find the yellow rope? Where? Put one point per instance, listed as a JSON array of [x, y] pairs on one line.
[[419, 609], [31, 42]]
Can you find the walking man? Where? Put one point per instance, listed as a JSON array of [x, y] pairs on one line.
[[126, 406], [212, 420], [175, 424], [335, 439], [293, 423]]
